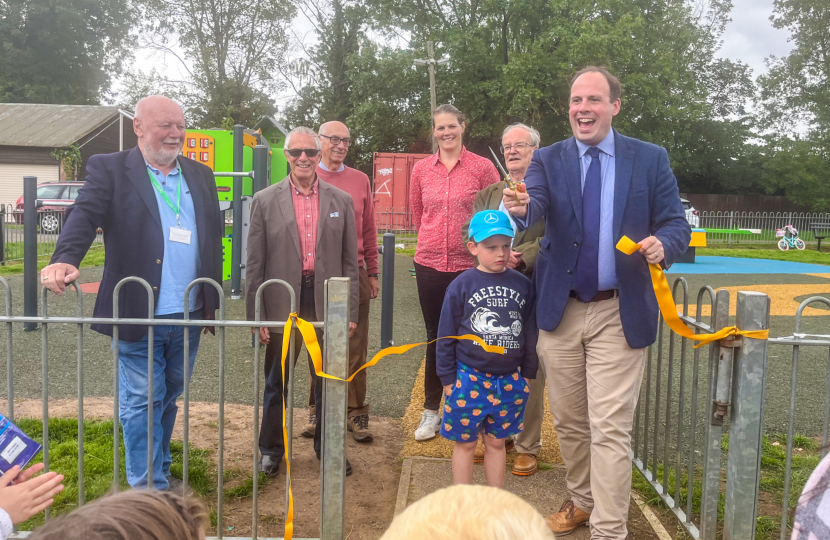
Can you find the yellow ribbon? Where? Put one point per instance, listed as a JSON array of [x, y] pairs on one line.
[[310, 338], [668, 308]]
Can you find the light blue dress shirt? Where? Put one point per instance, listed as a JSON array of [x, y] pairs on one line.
[[607, 267], [342, 166], [181, 262]]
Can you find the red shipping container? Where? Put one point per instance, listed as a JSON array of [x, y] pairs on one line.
[[390, 183]]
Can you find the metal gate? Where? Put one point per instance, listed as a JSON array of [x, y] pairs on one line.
[[691, 400], [335, 361]]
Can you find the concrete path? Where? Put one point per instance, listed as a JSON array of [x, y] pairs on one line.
[[545, 491]]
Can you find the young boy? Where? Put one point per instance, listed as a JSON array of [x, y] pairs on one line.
[[495, 303]]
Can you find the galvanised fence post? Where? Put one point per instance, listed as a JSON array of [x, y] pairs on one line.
[[746, 419], [236, 245], [260, 167], [30, 272], [2, 235], [336, 363], [714, 428], [387, 301]]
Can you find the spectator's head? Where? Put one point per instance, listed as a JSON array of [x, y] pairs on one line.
[[448, 127], [469, 513], [595, 101], [302, 150], [336, 141], [159, 125], [131, 515], [518, 142]]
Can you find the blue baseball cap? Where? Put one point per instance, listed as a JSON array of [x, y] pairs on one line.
[[490, 223]]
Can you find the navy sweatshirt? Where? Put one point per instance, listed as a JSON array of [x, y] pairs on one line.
[[498, 308]]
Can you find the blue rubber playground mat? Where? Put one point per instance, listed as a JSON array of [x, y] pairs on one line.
[[732, 265]]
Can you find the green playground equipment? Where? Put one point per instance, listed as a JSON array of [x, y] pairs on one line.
[[244, 161]]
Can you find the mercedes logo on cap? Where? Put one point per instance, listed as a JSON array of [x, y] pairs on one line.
[[491, 218]]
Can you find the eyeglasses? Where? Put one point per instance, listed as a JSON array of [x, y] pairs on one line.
[[337, 140], [297, 152], [518, 146]]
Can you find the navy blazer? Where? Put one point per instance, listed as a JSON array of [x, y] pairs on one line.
[[646, 203], [118, 197]]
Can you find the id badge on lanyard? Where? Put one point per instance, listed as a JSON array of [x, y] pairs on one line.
[[177, 234]]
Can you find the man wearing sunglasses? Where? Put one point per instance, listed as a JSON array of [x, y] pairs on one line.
[[303, 232], [335, 140]]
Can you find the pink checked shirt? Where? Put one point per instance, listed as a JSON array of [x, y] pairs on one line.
[[442, 203], [306, 209]]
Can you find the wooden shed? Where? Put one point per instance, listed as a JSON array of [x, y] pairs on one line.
[[29, 132]]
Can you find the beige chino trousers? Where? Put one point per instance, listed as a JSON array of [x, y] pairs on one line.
[[593, 384], [529, 441]]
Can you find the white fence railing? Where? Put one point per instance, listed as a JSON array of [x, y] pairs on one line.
[[767, 222]]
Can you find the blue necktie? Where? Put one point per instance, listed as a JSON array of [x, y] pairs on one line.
[[587, 263]]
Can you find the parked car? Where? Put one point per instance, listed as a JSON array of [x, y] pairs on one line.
[[691, 214], [50, 218]]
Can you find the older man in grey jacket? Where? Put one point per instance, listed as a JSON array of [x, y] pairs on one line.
[[303, 232]]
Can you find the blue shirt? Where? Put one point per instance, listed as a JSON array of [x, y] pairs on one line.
[[181, 261], [342, 166], [498, 308], [607, 267]]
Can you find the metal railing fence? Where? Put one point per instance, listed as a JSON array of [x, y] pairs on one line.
[[701, 416], [767, 222], [679, 422], [335, 361], [797, 340], [49, 225], [398, 221]]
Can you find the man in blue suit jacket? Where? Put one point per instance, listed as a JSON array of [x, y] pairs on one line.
[[597, 310], [161, 221]]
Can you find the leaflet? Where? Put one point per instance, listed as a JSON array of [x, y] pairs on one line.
[[16, 448]]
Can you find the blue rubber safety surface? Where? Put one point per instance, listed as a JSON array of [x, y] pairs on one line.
[[732, 265]]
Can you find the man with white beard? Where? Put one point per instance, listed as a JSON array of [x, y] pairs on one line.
[[161, 221]]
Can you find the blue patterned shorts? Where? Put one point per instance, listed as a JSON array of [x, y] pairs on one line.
[[495, 401]]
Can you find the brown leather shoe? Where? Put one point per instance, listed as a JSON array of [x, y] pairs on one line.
[[478, 455], [311, 425], [359, 426], [524, 465], [567, 519]]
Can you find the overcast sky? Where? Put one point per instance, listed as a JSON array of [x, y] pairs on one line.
[[750, 37]]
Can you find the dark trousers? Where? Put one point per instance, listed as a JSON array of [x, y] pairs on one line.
[[432, 286], [271, 442]]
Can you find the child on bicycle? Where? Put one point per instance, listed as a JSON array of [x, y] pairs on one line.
[[485, 390]]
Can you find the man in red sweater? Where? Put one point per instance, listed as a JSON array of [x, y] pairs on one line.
[[336, 140]]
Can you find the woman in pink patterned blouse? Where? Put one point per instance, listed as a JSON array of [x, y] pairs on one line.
[[441, 194]]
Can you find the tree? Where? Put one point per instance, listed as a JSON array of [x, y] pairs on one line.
[[232, 52], [63, 51], [795, 105], [796, 91], [511, 60]]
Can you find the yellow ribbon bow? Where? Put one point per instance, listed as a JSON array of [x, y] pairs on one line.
[[310, 338], [668, 308]]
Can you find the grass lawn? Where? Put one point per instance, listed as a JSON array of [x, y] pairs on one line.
[[806, 456], [767, 252], [98, 443], [94, 257]]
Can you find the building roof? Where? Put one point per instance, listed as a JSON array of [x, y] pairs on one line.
[[50, 126]]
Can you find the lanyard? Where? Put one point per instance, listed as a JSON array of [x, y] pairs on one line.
[[165, 198]]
